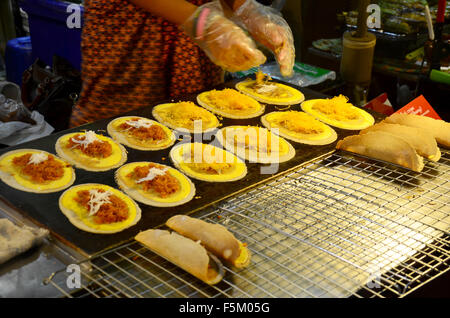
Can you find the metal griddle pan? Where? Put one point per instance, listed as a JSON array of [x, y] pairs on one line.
[[43, 209]]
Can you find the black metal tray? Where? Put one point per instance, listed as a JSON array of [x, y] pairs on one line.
[[43, 209]]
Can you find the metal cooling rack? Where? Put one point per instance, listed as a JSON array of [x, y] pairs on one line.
[[340, 226]]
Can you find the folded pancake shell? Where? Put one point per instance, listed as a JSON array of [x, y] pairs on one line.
[[438, 128], [383, 146], [183, 252], [421, 140], [214, 237]]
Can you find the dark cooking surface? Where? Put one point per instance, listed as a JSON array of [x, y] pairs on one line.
[[44, 210]]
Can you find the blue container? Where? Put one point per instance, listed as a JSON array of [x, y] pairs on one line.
[[53, 29], [18, 57]]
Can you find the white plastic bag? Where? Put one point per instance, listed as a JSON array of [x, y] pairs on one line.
[[17, 123]]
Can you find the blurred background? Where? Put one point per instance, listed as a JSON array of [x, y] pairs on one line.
[[402, 61]]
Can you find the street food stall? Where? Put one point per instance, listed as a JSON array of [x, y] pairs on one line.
[[261, 187]]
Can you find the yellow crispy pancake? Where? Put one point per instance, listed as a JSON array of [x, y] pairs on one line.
[[255, 144], [79, 216], [383, 146], [230, 103], [338, 112], [271, 92], [207, 162], [439, 129], [184, 116], [14, 178], [422, 141], [299, 127], [134, 190], [124, 137], [215, 237], [185, 253], [83, 161]]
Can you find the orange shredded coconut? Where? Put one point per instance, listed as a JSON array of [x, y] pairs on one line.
[[298, 122], [153, 132], [100, 149], [164, 185], [337, 108], [113, 212], [48, 170]]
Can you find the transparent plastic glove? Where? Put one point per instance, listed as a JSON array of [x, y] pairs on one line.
[[267, 27], [225, 43]]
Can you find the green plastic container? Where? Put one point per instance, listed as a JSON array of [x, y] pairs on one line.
[[440, 77]]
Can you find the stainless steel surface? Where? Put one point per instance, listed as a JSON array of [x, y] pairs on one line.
[[337, 227], [23, 275]]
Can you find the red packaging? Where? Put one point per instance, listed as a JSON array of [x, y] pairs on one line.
[[419, 106], [381, 105]]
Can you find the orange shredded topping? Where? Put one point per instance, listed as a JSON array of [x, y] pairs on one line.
[[262, 141], [164, 185], [298, 122], [48, 170], [264, 86], [99, 149], [337, 108], [230, 100], [115, 211], [261, 77], [153, 132], [212, 165]]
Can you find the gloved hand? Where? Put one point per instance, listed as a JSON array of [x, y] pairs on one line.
[[267, 27], [225, 43]]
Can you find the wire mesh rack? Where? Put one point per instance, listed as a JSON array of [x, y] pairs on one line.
[[340, 226]]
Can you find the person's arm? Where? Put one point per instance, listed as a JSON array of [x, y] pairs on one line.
[[175, 11], [225, 43]]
